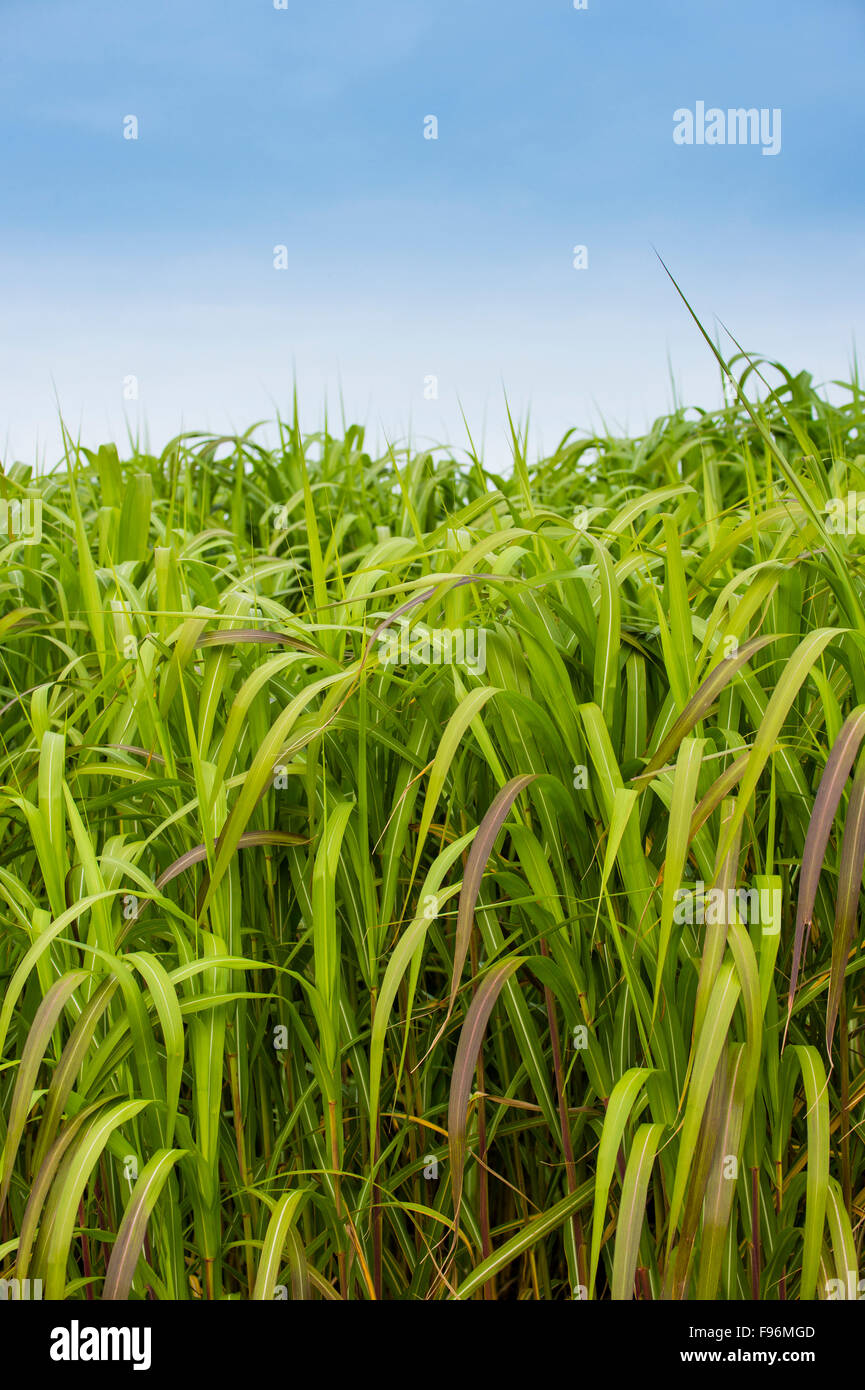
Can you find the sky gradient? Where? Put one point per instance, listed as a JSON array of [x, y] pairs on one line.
[[409, 258]]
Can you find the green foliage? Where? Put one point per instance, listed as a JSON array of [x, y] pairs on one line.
[[328, 976]]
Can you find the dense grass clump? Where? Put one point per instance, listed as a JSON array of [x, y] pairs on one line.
[[418, 883]]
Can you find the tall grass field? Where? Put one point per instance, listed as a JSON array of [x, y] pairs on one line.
[[423, 884]]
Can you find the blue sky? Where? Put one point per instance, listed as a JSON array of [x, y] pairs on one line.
[[409, 258]]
